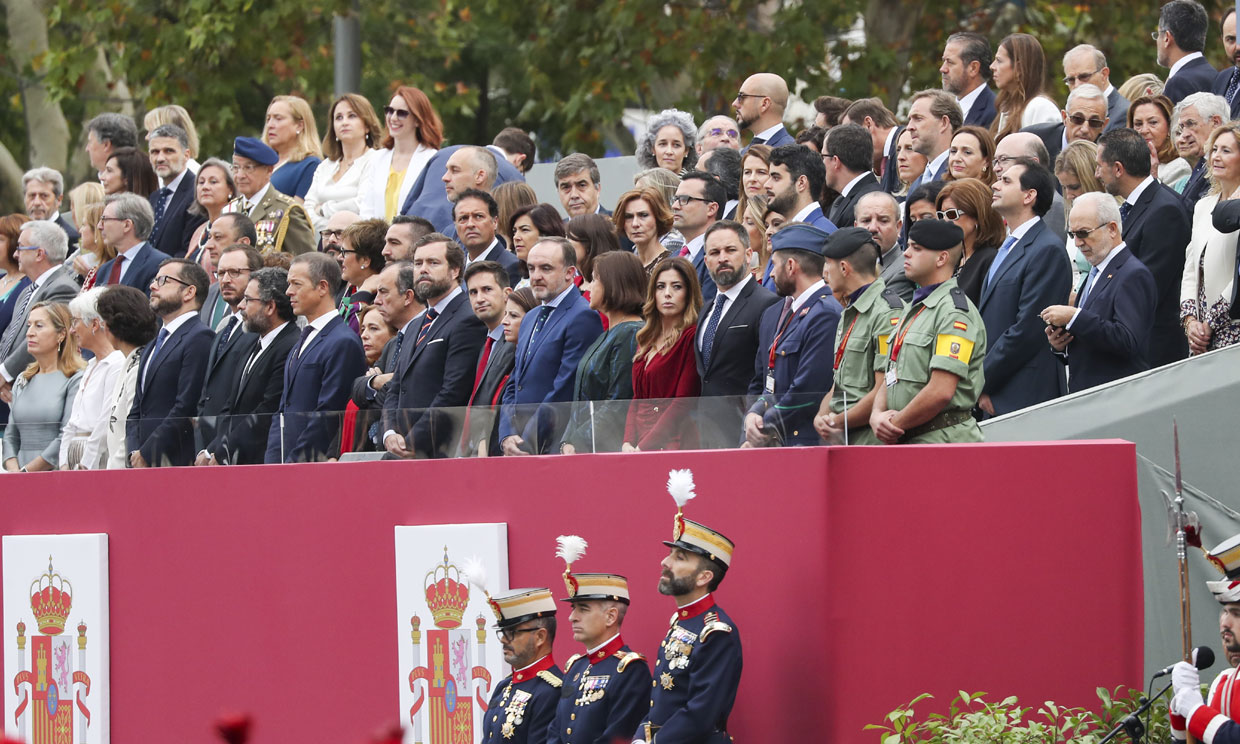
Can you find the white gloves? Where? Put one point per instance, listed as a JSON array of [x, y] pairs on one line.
[[1186, 683]]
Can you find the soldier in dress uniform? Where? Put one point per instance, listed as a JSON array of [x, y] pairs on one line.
[[793, 366], [1216, 721], [606, 690], [933, 375], [871, 312], [280, 222], [523, 704], [699, 666]]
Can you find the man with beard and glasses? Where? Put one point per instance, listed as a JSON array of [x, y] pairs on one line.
[[523, 705], [700, 659], [759, 107], [435, 359]]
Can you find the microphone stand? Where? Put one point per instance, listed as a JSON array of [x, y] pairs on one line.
[[1131, 723]]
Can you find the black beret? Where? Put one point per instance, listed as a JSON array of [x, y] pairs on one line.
[[936, 235], [845, 242]]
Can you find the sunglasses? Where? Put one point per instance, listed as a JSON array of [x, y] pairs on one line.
[[1084, 234], [1094, 122], [951, 214], [398, 113]]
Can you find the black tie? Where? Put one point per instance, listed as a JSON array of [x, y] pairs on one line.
[[160, 206], [221, 340], [392, 362]]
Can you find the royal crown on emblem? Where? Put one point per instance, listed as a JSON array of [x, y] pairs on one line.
[[447, 594], [51, 598]]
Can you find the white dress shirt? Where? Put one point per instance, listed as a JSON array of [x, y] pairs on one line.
[[88, 420]]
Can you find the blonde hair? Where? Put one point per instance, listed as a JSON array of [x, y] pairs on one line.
[[660, 179], [82, 196], [173, 114], [308, 140], [68, 359], [1227, 127], [1145, 84]]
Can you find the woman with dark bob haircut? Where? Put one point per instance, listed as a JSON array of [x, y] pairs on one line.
[[531, 224], [128, 170], [130, 324], [605, 373], [591, 235], [967, 202]]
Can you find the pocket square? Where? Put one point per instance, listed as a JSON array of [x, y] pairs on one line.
[[436, 341]]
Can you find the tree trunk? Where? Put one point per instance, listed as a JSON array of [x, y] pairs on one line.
[[47, 130], [891, 24]]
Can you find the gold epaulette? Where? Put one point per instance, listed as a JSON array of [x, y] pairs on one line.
[[626, 659], [572, 660], [713, 626], [546, 676]]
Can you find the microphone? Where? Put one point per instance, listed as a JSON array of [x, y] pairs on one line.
[[1203, 658]]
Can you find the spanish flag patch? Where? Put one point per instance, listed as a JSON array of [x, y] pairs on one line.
[[958, 325], [954, 347], [895, 321]]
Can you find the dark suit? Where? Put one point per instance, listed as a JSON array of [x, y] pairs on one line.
[[890, 181], [1197, 186], [842, 209], [815, 218], [536, 395], [489, 388], [59, 286], [506, 258], [140, 271], [1221, 80], [803, 371], [70, 230], [781, 137], [707, 283], [427, 198], [241, 437], [1020, 368], [174, 231], [425, 399], [1194, 77], [316, 389], [1051, 134], [893, 276], [1117, 110], [1111, 333], [936, 176], [1157, 231], [159, 422], [730, 369], [224, 364], [982, 112]]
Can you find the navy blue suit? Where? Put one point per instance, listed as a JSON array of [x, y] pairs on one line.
[[1117, 111], [536, 396], [317, 383], [842, 210], [159, 422], [1157, 231], [70, 231], [241, 438], [936, 176], [781, 137], [427, 198], [1020, 368], [982, 112], [1111, 333], [1221, 80], [815, 218], [1197, 185], [523, 705], [605, 696], [1194, 77], [709, 290], [508, 260], [804, 367], [140, 272], [178, 224], [696, 677]]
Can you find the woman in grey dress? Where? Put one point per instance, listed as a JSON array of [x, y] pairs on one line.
[[43, 394]]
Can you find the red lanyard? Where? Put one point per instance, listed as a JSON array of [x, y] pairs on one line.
[[775, 343], [839, 353], [895, 347]]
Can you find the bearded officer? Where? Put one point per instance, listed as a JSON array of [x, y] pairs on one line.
[[606, 690], [699, 665], [934, 368], [871, 312], [523, 704]]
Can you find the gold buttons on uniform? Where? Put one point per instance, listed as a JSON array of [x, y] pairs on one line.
[[573, 717], [568, 731], [653, 683]]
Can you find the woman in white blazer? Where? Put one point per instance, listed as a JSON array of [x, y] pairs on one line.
[[1208, 285], [352, 134], [414, 134]]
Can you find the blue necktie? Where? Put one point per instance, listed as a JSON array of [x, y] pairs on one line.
[[160, 206], [1089, 285], [543, 313], [1124, 209], [1233, 85], [150, 361], [708, 340], [305, 334], [400, 339], [1004, 250]]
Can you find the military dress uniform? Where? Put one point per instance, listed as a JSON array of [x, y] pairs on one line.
[[280, 222], [941, 330], [523, 704], [861, 343]]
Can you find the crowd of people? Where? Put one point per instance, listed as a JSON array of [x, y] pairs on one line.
[[374, 289]]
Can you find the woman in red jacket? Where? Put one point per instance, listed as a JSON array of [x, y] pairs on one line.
[[665, 378]]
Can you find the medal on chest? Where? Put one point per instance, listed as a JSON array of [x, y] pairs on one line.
[[514, 712], [677, 647], [591, 688]]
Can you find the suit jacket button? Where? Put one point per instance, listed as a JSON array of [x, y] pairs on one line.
[[795, 433]]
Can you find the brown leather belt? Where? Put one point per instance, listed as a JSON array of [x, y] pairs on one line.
[[942, 421]]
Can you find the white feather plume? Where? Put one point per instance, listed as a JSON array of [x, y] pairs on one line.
[[570, 547], [475, 572], [680, 486]]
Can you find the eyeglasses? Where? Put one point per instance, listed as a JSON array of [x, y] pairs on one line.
[[1186, 124], [683, 199], [1155, 34], [245, 300], [742, 96], [246, 168], [1082, 78], [951, 214], [230, 273], [111, 219], [1084, 234], [1002, 161], [162, 279], [398, 113], [27, 247], [333, 233], [719, 132], [346, 250], [507, 635], [1078, 119]]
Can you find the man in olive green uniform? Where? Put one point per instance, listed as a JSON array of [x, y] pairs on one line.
[[871, 312], [934, 366], [279, 221]]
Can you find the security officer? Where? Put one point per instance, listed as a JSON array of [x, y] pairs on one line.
[[280, 222], [934, 368], [700, 660], [607, 689], [871, 312], [523, 704], [793, 369]]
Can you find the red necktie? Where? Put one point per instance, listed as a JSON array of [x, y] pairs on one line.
[[115, 276], [684, 252], [482, 365], [882, 167]]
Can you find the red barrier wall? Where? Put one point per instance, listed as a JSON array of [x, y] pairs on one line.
[[862, 576]]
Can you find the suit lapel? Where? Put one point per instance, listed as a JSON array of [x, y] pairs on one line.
[[1104, 280], [1013, 258], [174, 340], [1137, 215], [436, 331], [296, 359]]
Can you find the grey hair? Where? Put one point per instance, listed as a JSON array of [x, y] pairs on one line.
[[1207, 104], [1087, 92], [405, 276], [45, 175], [571, 165], [118, 129], [50, 237], [730, 120], [668, 117], [484, 159], [273, 287], [1100, 59], [86, 305], [135, 209], [172, 131], [1104, 206]]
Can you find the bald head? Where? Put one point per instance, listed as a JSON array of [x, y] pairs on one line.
[[1019, 145], [761, 102]]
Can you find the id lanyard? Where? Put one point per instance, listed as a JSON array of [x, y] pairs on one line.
[[899, 342], [839, 353]]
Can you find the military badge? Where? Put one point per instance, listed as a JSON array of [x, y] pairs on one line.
[[514, 712], [666, 680], [592, 689]]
